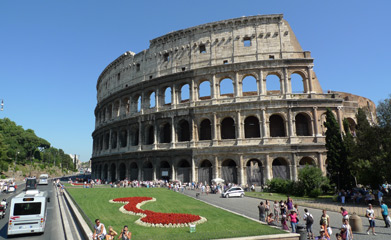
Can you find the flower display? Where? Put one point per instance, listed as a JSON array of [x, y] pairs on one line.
[[156, 219]]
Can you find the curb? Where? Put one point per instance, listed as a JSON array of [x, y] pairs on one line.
[[64, 219]]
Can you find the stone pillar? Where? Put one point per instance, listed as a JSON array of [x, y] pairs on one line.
[[154, 172], [290, 123], [268, 167], [110, 135], [287, 82], [294, 167], [259, 83], [173, 135], [237, 92], [239, 131], [140, 138], [157, 102], [309, 71], [192, 133], [340, 117], [241, 163], [192, 95], [173, 172], [140, 177], [193, 175], [213, 87], [315, 117], [118, 142], [155, 134], [217, 174], [214, 130], [173, 96], [143, 103], [264, 126]]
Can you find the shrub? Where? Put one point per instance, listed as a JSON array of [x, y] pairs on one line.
[[296, 189], [311, 178], [3, 177], [314, 193], [279, 185]]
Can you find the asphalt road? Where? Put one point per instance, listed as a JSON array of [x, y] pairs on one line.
[[53, 229], [248, 206]]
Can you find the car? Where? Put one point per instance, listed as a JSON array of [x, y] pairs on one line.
[[233, 192], [11, 188]]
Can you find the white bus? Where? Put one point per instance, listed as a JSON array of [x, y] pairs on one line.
[[28, 213], [43, 179]]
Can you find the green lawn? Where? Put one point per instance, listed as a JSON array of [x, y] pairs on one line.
[[220, 224], [280, 196]]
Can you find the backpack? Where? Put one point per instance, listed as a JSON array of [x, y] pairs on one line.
[[310, 219]]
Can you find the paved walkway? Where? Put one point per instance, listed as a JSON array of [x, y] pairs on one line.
[[248, 207]]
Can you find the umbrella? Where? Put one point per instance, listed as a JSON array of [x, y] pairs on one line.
[[218, 180]]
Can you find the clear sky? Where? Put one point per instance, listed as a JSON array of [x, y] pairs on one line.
[[52, 52]]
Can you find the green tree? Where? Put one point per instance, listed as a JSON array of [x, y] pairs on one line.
[[311, 178]]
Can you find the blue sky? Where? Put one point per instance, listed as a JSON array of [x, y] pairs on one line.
[[52, 52]]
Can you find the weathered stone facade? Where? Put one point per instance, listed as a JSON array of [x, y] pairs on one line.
[[148, 128]]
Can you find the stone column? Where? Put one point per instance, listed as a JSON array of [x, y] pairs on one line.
[[110, 135], [290, 123], [315, 117], [287, 82], [294, 167], [214, 130], [154, 172], [239, 135], [237, 91], [173, 172], [157, 102], [264, 126], [259, 83], [155, 134], [213, 87], [173, 96], [192, 133], [192, 97], [140, 138], [143, 103], [268, 169], [193, 177], [139, 177], [173, 135], [241, 170], [118, 142], [340, 117], [309, 71], [217, 174]]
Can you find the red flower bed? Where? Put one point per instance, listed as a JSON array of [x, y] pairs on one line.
[[155, 217]]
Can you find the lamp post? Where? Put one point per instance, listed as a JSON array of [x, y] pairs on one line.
[[2, 105], [16, 159]]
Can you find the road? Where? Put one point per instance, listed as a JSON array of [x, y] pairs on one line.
[[53, 229], [248, 206]]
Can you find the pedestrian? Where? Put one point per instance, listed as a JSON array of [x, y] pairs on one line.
[[282, 208], [384, 213], [322, 235], [261, 209], [99, 230], [345, 214], [380, 196], [370, 214], [267, 207], [347, 233], [309, 220], [296, 208], [270, 220], [125, 234], [324, 223], [276, 207], [284, 222], [289, 203], [293, 219]]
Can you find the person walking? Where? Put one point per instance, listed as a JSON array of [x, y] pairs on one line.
[[276, 208], [293, 219], [348, 233], [261, 209], [324, 223], [384, 213], [345, 214], [309, 220], [370, 214], [267, 207]]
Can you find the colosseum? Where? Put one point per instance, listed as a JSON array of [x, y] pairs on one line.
[[236, 99]]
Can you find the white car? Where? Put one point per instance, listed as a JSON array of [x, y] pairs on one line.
[[233, 192], [11, 189]]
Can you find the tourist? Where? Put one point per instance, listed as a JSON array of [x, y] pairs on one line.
[[282, 208], [370, 214], [261, 209], [270, 220], [345, 214], [125, 234], [384, 213], [267, 207], [296, 208], [289, 203], [347, 233], [99, 230], [293, 219], [284, 222], [111, 234], [380, 196], [324, 223], [276, 207], [309, 220], [322, 235]]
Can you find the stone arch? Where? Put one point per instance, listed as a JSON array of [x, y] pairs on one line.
[[113, 173], [138, 104], [165, 133], [184, 93], [204, 90], [152, 99], [228, 128], [126, 105], [116, 109], [147, 171], [106, 140], [122, 171], [228, 171], [352, 125], [109, 112], [165, 170], [251, 127], [205, 130], [277, 126], [134, 136], [273, 84], [183, 171], [298, 83], [123, 138], [167, 95], [254, 171], [133, 171], [106, 172], [280, 168], [226, 87], [149, 135], [113, 139], [183, 131], [303, 124], [306, 161], [249, 85], [205, 173]]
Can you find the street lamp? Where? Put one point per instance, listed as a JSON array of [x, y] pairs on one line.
[[2, 105], [16, 159]]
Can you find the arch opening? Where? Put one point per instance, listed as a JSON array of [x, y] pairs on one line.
[[165, 133], [183, 131], [303, 125], [185, 93], [123, 138], [228, 171], [205, 172], [204, 90], [133, 171], [254, 170], [205, 130], [122, 171], [152, 100], [228, 128], [167, 96], [297, 83], [251, 127], [184, 170], [277, 128], [165, 170], [249, 86], [113, 173], [273, 85], [280, 168], [226, 87], [147, 171], [149, 138]]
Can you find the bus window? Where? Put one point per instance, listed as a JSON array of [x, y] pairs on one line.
[[21, 209]]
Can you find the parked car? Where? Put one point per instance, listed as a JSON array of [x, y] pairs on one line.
[[233, 192]]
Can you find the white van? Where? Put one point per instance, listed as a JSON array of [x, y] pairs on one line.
[[43, 179], [27, 213]]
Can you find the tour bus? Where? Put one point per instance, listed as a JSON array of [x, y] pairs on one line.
[[43, 179], [28, 213]]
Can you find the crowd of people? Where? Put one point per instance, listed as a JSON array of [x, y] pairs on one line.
[[283, 212]]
